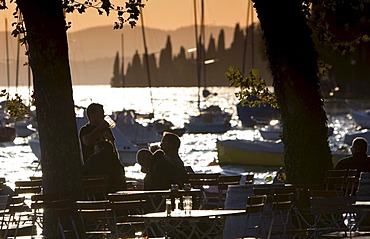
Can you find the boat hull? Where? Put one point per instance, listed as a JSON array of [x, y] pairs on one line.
[[257, 153], [361, 117], [231, 153]]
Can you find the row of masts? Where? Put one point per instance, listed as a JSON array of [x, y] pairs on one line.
[[8, 75]]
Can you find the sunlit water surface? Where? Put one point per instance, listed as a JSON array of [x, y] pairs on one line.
[[17, 162]]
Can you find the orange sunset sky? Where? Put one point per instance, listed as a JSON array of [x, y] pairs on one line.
[[162, 14]]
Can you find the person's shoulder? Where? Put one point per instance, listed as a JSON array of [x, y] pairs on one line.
[[86, 128]]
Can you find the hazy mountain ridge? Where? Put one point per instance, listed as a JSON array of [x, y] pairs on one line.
[[92, 50]]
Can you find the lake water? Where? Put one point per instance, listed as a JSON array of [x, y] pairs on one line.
[[17, 162]]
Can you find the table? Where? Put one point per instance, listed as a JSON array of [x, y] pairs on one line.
[[362, 209], [157, 197], [196, 224]]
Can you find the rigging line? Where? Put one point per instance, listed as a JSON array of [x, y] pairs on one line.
[[146, 59], [203, 43], [7, 53], [123, 61], [17, 62], [246, 38], [252, 33], [197, 44]]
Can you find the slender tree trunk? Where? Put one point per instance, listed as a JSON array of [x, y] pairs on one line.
[[48, 52], [293, 63]]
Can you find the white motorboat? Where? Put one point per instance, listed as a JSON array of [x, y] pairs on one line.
[[209, 120], [137, 133], [271, 131], [365, 133], [126, 149], [361, 118]]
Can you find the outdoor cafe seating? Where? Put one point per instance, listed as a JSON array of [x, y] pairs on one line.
[[260, 211]]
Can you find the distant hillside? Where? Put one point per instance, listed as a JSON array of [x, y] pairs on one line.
[[92, 51]]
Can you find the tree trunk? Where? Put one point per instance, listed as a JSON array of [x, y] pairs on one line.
[[48, 54], [293, 63]]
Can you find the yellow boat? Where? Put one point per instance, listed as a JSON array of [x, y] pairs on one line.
[[257, 153]]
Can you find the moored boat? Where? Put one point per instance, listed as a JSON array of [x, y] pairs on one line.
[[257, 153], [361, 118], [209, 120]]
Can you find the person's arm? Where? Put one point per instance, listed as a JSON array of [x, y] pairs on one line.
[[93, 136]]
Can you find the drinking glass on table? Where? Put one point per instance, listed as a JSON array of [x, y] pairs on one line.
[[110, 121], [187, 204]]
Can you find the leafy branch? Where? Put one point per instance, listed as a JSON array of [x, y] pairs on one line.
[[15, 106], [253, 89]]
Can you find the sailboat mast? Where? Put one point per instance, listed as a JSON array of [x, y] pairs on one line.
[[7, 53], [249, 16], [17, 62], [123, 61], [146, 58], [203, 41], [197, 44]]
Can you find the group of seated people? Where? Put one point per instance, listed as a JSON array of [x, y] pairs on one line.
[[163, 166]]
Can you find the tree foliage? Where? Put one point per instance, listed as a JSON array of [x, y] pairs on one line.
[[324, 17], [127, 13], [253, 89]]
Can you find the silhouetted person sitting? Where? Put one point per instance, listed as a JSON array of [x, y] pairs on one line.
[[359, 159], [97, 129], [170, 145], [144, 157], [104, 161], [159, 171]]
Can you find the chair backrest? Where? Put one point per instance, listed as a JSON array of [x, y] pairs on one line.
[[282, 201], [226, 181], [198, 180], [126, 204], [330, 202], [95, 216], [66, 213], [95, 187], [255, 204], [249, 179], [341, 179], [28, 187], [264, 191]]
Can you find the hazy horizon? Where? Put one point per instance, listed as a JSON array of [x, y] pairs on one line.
[[161, 14]]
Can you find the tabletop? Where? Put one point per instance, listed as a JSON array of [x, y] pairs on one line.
[[193, 214], [196, 224]]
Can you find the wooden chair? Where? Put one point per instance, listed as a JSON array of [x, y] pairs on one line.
[[39, 204], [341, 179], [95, 187], [223, 185], [66, 213], [28, 188], [328, 208], [249, 179], [96, 217], [16, 218], [208, 183], [255, 207], [282, 205], [122, 206]]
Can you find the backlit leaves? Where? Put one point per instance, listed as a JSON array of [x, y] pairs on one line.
[[253, 89], [15, 106]]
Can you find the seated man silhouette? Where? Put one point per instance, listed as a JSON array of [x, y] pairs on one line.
[[359, 159], [104, 161], [158, 170], [170, 145]]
